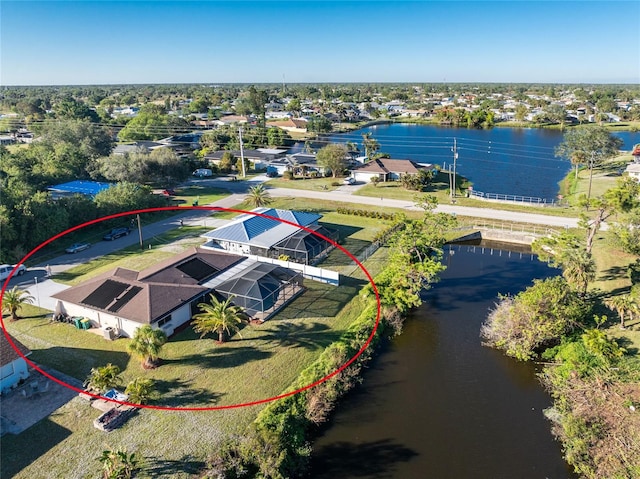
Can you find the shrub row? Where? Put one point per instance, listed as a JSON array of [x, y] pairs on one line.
[[368, 213], [277, 445]]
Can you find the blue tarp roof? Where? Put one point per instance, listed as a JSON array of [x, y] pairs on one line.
[[90, 188]]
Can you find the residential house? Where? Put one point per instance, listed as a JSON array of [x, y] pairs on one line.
[[260, 158], [167, 295], [13, 367], [387, 169], [298, 125], [633, 170], [256, 234], [232, 120]]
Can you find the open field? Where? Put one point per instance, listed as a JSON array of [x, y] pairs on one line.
[[323, 184], [165, 245], [203, 194]]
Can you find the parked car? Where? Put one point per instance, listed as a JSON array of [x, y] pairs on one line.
[[202, 172], [169, 192], [6, 269], [116, 233], [349, 181], [77, 247]]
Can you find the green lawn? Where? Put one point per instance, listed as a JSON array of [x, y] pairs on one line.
[[203, 194], [394, 190], [299, 183], [194, 373], [163, 246]]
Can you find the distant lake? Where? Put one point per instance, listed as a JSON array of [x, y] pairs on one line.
[[514, 161]]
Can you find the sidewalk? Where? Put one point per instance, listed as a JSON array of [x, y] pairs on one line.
[[489, 213]]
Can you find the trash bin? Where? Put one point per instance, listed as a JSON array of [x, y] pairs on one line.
[[77, 323], [85, 323]]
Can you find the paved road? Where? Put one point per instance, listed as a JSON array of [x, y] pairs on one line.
[[493, 214], [41, 287]]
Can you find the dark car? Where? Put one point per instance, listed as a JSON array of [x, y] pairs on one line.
[[116, 233]]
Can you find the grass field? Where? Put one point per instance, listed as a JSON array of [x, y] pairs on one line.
[[164, 246], [320, 184], [194, 372]]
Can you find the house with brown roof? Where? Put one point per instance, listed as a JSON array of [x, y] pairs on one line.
[[387, 169], [166, 296], [13, 367], [298, 125]]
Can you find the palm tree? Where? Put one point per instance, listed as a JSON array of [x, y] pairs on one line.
[[147, 343], [218, 316], [258, 196], [371, 145], [141, 391], [13, 300], [578, 158], [103, 378], [622, 305], [578, 268]]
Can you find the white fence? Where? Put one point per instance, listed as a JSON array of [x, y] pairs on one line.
[[310, 272], [531, 200]]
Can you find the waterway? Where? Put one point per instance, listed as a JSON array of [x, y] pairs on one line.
[[513, 161], [436, 403]]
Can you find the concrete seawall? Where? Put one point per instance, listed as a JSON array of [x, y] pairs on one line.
[[516, 237]]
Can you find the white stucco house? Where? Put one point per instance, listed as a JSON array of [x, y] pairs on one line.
[[13, 367], [387, 169]]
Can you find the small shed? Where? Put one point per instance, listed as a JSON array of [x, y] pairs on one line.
[[262, 289]]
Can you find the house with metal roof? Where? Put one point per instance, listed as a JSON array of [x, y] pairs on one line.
[[266, 231]]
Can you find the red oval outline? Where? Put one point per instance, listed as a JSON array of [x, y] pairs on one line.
[[211, 408]]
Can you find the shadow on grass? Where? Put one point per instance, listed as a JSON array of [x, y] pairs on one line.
[[322, 300], [371, 459], [301, 335], [221, 356], [21, 450], [627, 344], [179, 393], [78, 362], [158, 467], [615, 272]]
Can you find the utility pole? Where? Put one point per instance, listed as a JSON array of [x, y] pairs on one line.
[[591, 161], [455, 158], [140, 232], [244, 173]]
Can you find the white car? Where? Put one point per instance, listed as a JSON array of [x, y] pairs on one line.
[[6, 269], [349, 181]]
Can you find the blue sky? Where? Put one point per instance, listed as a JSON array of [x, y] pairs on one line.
[[65, 42]]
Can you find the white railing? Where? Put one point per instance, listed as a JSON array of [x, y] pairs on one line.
[[532, 200]]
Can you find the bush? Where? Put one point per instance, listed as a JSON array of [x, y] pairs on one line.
[[287, 175], [535, 318]]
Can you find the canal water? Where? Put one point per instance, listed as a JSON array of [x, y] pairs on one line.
[[513, 161], [436, 403]]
